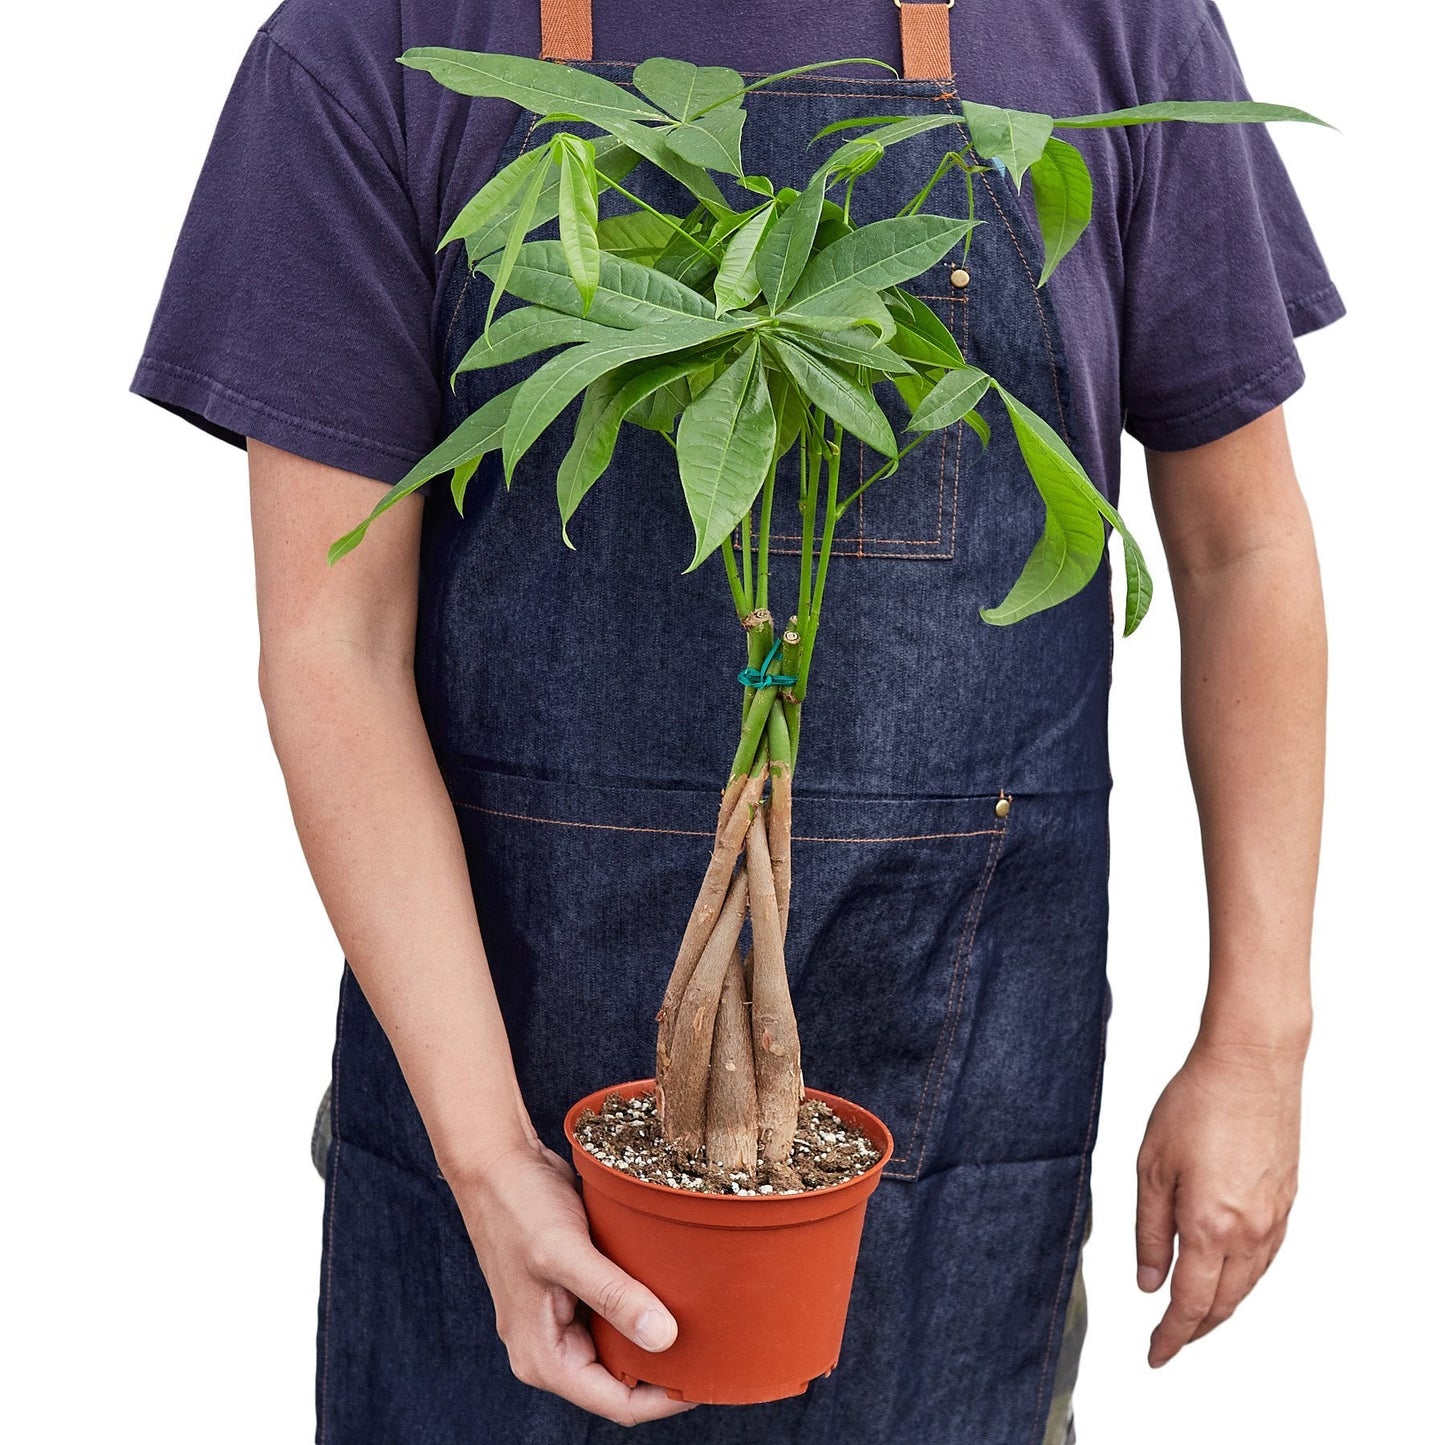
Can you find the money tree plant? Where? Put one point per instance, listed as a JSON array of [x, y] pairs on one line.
[[742, 330]]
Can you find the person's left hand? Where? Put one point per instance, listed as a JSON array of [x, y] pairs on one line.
[[1218, 1166]]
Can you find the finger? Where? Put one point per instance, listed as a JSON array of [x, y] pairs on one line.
[[1154, 1227], [1236, 1279], [570, 1370], [625, 1304], [585, 1382], [1191, 1293]]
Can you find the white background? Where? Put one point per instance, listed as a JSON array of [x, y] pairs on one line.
[[172, 977]]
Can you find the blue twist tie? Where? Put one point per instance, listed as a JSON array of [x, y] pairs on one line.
[[761, 677]]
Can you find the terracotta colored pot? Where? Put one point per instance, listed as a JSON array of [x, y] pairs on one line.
[[758, 1283]]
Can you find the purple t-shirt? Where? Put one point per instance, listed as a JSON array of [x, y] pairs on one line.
[[300, 303]]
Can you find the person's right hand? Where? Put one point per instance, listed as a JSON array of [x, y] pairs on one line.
[[529, 1230]]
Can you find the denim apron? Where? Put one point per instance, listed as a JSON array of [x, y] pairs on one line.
[[947, 935]]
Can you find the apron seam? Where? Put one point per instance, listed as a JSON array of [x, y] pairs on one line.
[[1050, 1365], [957, 990], [708, 833]]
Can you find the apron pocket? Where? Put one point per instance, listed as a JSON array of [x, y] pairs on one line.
[[583, 893]]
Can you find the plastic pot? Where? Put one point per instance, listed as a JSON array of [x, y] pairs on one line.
[[758, 1283]]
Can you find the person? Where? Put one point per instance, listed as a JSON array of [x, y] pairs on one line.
[[503, 757]]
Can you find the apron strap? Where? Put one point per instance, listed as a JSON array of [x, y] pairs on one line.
[[567, 35], [566, 30], [926, 52]]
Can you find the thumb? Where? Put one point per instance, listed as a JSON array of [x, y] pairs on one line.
[[1154, 1227], [625, 1304]]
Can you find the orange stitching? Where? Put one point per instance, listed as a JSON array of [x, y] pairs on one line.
[[570, 823], [1073, 1225], [700, 833], [912, 838], [1038, 306], [956, 989]]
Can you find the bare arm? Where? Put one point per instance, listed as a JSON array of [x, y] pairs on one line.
[[381, 838], [1219, 1159]]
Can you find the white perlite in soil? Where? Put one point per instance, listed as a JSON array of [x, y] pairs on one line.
[[626, 1136]]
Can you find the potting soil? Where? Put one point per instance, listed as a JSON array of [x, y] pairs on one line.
[[626, 1135]]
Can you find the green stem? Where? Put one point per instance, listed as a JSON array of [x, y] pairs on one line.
[[753, 725], [747, 539], [809, 463], [765, 522], [830, 518], [886, 468], [740, 597], [760, 641], [780, 742], [669, 221], [792, 709], [951, 159]]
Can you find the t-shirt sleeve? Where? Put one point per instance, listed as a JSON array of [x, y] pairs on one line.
[[1221, 269], [297, 306]]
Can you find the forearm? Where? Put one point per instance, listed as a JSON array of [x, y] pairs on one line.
[[1253, 690], [381, 838]]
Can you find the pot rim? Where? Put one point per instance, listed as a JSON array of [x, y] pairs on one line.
[[880, 1134]]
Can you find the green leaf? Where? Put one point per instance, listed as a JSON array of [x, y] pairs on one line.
[[924, 322], [1063, 200], [496, 196], [874, 256], [855, 345], [1069, 552], [787, 246], [724, 449], [524, 331], [853, 122], [559, 91], [521, 224], [543, 396], [956, 394], [890, 132], [1212, 111], [979, 425], [837, 395], [577, 215], [788, 407], [659, 411], [736, 283], [612, 158], [628, 295], [637, 235], [540, 86], [605, 406], [691, 255], [715, 141], [848, 306], [651, 142], [684, 90], [478, 434], [460, 477], [1064, 558], [1016, 137]]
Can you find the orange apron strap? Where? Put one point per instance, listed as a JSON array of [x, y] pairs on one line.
[[926, 52], [566, 30], [567, 35]]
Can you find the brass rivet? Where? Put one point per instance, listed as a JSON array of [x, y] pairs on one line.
[[958, 277], [1000, 808]]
